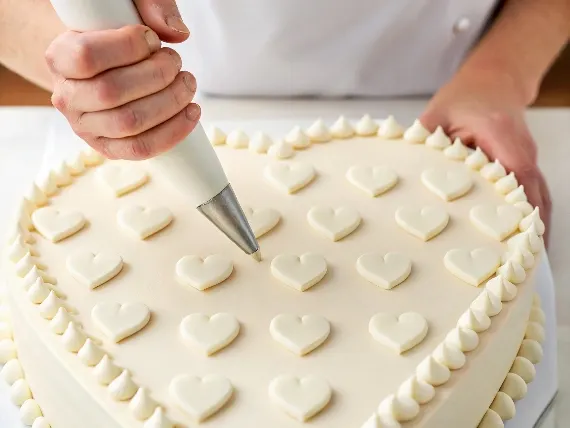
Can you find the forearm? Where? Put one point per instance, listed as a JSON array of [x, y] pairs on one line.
[[523, 43], [27, 27]]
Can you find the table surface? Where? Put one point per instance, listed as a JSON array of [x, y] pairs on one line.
[[551, 128]]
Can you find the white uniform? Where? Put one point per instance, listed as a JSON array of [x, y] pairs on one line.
[[329, 47]]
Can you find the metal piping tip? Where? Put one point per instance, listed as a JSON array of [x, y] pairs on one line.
[[257, 256]]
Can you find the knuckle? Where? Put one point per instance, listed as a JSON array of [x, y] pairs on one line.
[[59, 101], [106, 91], [502, 120], [181, 92], [83, 57], [127, 120], [140, 148]]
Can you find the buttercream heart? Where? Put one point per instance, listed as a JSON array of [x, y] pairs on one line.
[[290, 177], [122, 178], [425, 223], [499, 222], [448, 184], [94, 269], [302, 272], [55, 224], [374, 180], [262, 220], [335, 224], [209, 334], [203, 273], [300, 398], [385, 271], [474, 266], [119, 321], [300, 335], [398, 333], [143, 222]]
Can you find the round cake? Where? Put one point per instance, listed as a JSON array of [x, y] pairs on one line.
[[396, 290]]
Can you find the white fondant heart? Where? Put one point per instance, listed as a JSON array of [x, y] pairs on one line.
[[119, 321], [203, 273], [300, 398], [335, 224], [473, 267], [262, 220], [385, 271], [201, 397], [209, 334], [373, 180], [300, 335], [143, 222], [447, 184], [425, 223], [498, 222], [290, 177], [93, 269], [122, 177], [398, 333], [302, 272], [55, 224]]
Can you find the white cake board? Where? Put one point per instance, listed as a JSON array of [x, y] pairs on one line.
[[61, 142]]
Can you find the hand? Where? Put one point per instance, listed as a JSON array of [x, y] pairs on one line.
[[485, 110], [120, 91]]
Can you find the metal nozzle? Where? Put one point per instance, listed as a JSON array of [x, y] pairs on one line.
[[225, 212]]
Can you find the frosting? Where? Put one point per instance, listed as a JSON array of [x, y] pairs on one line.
[[29, 412], [318, 132], [201, 397], [524, 207], [491, 420], [474, 266], [260, 143], [122, 388], [399, 333], [35, 196], [512, 271], [299, 272], [5, 331], [450, 356], [533, 218], [262, 220], [529, 240], [12, 372], [119, 321], [535, 331], [493, 171], [425, 222], [416, 133], [73, 338], [502, 288], [237, 139], [463, 338], [498, 222], [26, 263], [475, 320], [35, 273], [91, 157], [290, 177], [300, 335], [537, 315], [457, 151], [38, 292], [504, 406], [521, 256], [384, 270], [7, 350], [476, 159], [506, 184], [105, 372], [158, 420], [342, 128], [487, 302], [524, 368], [209, 334], [432, 372], [334, 224], [75, 165], [420, 391], [377, 421], [90, 354], [62, 175], [366, 127], [20, 392], [447, 184], [517, 195], [300, 398], [390, 128], [203, 273], [47, 182], [142, 222], [297, 138], [41, 422], [94, 269], [373, 180], [60, 321], [122, 178], [400, 408], [514, 386], [50, 306], [281, 150], [142, 406], [438, 140], [531, 350], [216, 136]]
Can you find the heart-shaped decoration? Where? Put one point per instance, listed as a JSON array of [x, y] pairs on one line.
[[123, 177], [209, 334], [262, 220], [143, 222], [94, 269], [398, 333], [300, 398], [300, 335], [473, 267], [385, 271], [424, 223], [203, 273], [55, 224], [335, 224], [448, 184], [201, 397], [302, 272], [119, 321], [374, 180], [498, 222], [290, 177]]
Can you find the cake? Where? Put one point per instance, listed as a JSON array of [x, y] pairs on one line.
[[397, 288]]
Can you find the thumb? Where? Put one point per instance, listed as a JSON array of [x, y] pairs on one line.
[[164, 18]]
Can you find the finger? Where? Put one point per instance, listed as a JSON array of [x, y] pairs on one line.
[[143, 114], [163, 17], [152, 142], [120, 86], [84, 55]]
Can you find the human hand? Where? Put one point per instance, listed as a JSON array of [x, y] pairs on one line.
[[485, 110], [120, 91]]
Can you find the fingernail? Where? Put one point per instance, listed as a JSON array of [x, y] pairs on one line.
[[175, 57], [190, 82], [193, 112], [152, 40], [177, 24]]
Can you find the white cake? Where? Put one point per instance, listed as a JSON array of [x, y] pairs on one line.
[[397, 289]]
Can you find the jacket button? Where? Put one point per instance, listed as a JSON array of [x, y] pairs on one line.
[[461, 25]]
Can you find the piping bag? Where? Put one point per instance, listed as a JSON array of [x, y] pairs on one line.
[[192, 165]]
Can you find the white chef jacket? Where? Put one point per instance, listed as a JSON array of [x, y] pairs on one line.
[[329, 47]]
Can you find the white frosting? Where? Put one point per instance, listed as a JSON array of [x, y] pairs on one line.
[[502, 288], [73, 338], [20, 392], [18, 249], [290, 177], [201, 397], [529, 240], [203, 273], [298, 138], [377, 421], [209, 334], [399, 333], [237, 139], [487, 302], [216, 136], [122, 178], [448, 184], [512, 271], [143, 222], [35, 273], [41, 422], [26, 263], [450, 356], [491, 420], [142, 406], [432, 372], [299, 272], [425, 222], [420, 391], [300, 335], [281, 150], [119, 321], [366, 127], [335, 223], [93, 270], [524, 207], [38, 292], [60, 321], [29, 412], [62, 174], [76, 165], [90, 354], [7, 350], [106, 371], [531, 350], [537, 315], [47, 182], [5, 330], [475, 320], [400, 408], [524, 368], [342, 128], [514, 386], [533, 218], [260, 142], [318, 132], [457, 151], [16, 231], [373, 180], [122, 388], [50, 306], [504, 406], [384, 270], [493, 171], [506, 184], [158, 420], [517, 195], [416, 133], [535, 331], [91, 157], [261, 220], [521, 256], [390, 128], [36, 196], [12, 372], [465, 339], [498, 222], [300, 398], [474, 266], [476, 159], [438, 140]]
